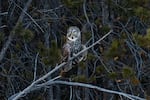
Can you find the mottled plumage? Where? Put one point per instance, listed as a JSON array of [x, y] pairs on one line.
[[72, 46]]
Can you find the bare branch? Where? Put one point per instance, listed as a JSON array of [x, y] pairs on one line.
[[92, 44], [30, 87], [132, 97]]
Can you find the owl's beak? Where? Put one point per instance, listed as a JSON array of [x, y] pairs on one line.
[[72, 39]]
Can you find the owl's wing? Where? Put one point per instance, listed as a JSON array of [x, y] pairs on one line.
[[66, 51]]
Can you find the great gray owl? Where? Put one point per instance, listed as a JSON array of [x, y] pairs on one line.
[[73, 46]]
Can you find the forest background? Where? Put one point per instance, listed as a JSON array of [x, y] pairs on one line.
[[32, 33]]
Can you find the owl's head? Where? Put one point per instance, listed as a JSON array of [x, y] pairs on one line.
[[73, 33]]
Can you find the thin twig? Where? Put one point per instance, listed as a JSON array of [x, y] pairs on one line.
[[35, 67], [92, 45]]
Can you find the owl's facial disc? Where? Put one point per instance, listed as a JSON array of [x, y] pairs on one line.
[[73, 34]]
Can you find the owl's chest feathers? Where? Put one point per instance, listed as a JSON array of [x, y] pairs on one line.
[[75, 47]]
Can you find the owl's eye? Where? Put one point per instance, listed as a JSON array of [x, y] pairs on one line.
[[69, 35], [72, 37]]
